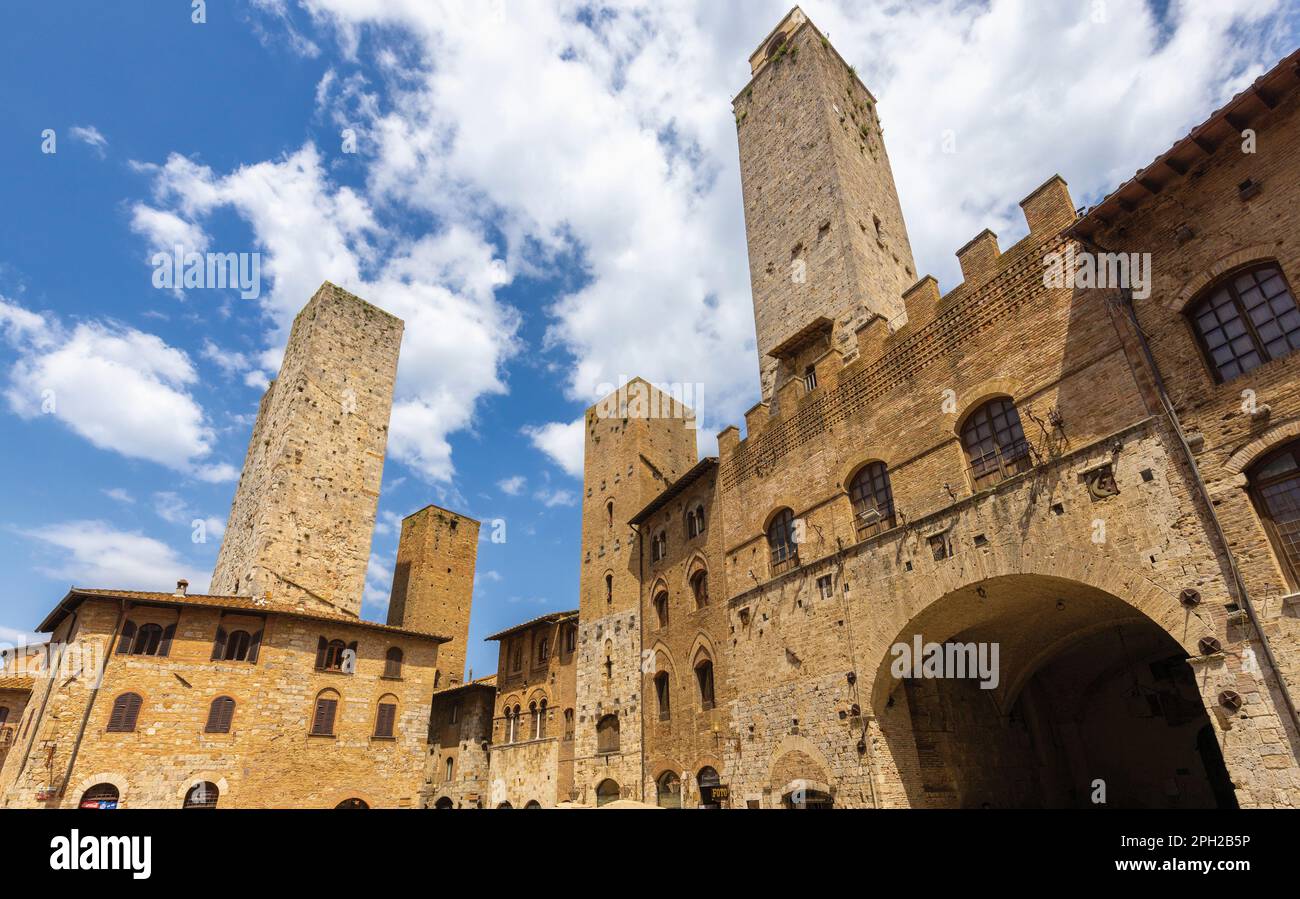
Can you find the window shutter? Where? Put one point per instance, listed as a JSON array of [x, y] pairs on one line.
[[254, 645], [323, 723], [126, 708], [384, 721], [165, 648], [126, 638], [220, 715], [219, 645], [321, 647]]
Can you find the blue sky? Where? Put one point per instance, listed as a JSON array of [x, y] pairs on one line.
[[546, 192]]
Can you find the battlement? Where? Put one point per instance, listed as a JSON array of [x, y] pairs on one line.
[[891, 353]]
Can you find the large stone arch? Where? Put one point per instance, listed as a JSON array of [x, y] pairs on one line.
[[797, 761]]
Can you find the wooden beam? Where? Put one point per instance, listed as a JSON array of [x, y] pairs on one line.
[[1176, 167]]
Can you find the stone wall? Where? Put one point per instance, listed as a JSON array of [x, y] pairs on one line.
[[304, 512]]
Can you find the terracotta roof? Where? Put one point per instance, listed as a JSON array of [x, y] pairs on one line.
[[77, 595], [16, 682], [1226, 123], [552, 617], [483, 683], [675, 488]]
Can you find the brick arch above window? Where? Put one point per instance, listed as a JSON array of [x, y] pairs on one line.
[[867, 456], [1273, 438], [1195, 285], [971, 399]]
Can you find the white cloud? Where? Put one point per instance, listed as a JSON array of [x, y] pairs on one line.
[[163, 231], [119, 494], [563, 443], [121, 389], [513, 486], [174, 509], [442, 285], [379, 584], [551, 498], [90, 135], [95, 554]]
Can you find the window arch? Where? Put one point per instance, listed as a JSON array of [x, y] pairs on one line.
[[661, 608], [1246, 319], [658, 546], [202, 795], [1275, 490], [145, 640], [220, 715], [607, 791], [568, 724], [700, 588], [126, 709], [607, 734], [609, 513], [668, 790], [704, 679], [385, 717], [322, 720], [335, 655], [663, 693], [708, 778], [781, 543], [543, 648], [449, 769], [872, 499], [609, 588], [393, 662], [101, 796], [995, 443]]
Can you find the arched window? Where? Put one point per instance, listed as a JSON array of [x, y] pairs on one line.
[[664, 695], [448, 769], [607, 791], [202, 795], [658, 547], [700, 588], [781, 542], [570, 639], [353, 804], [236, 646], [995, 443], [568, 724], [385, 717], [543, 648], [4, 715], [661, 608], [1246, 319], [708, 778], [532, 717], [532, 803], [692, 525], [668, 790], [99, 796], [335, 655], [872, 499], [517, 655], [704, 677], [393, 663], [699, 520], [126, 708], [322, 719], [147, 640], [444, 802], [609, 513], [541, 720], [607, 734], [220, 715], [1275, 489], [609, 588]]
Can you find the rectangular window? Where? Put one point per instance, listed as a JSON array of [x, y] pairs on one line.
[[384, 720], [810, 379], [826, 586]]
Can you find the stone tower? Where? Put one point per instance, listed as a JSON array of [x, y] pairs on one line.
[[304, 512], [827, 244], [433, 584], [638, 440]]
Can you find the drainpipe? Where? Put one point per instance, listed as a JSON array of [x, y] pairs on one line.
[[1236, 582], [94, 694]]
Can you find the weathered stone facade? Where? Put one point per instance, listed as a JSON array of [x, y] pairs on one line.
[[460, 736], [304, 512], [433, 583]]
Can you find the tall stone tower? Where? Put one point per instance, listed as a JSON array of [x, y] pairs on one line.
[[433, 584], [827, 244], [304, 512], [638, 440]]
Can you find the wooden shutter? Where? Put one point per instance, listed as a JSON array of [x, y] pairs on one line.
[[126, 638], [322, 646], [220, 715], [253, 646], [165, 647], [219, 645], [384, 720], [323, 722], [126, 708]]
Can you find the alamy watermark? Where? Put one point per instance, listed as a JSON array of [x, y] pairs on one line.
[[637, 399], [1085, 270], [960, 661], [213, 271]]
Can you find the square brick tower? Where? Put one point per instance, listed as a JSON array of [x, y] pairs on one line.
[[825, 229], [433, 584], [638, 441], [304, 512]]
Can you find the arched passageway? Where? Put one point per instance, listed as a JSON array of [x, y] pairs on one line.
[[1032, 691]]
